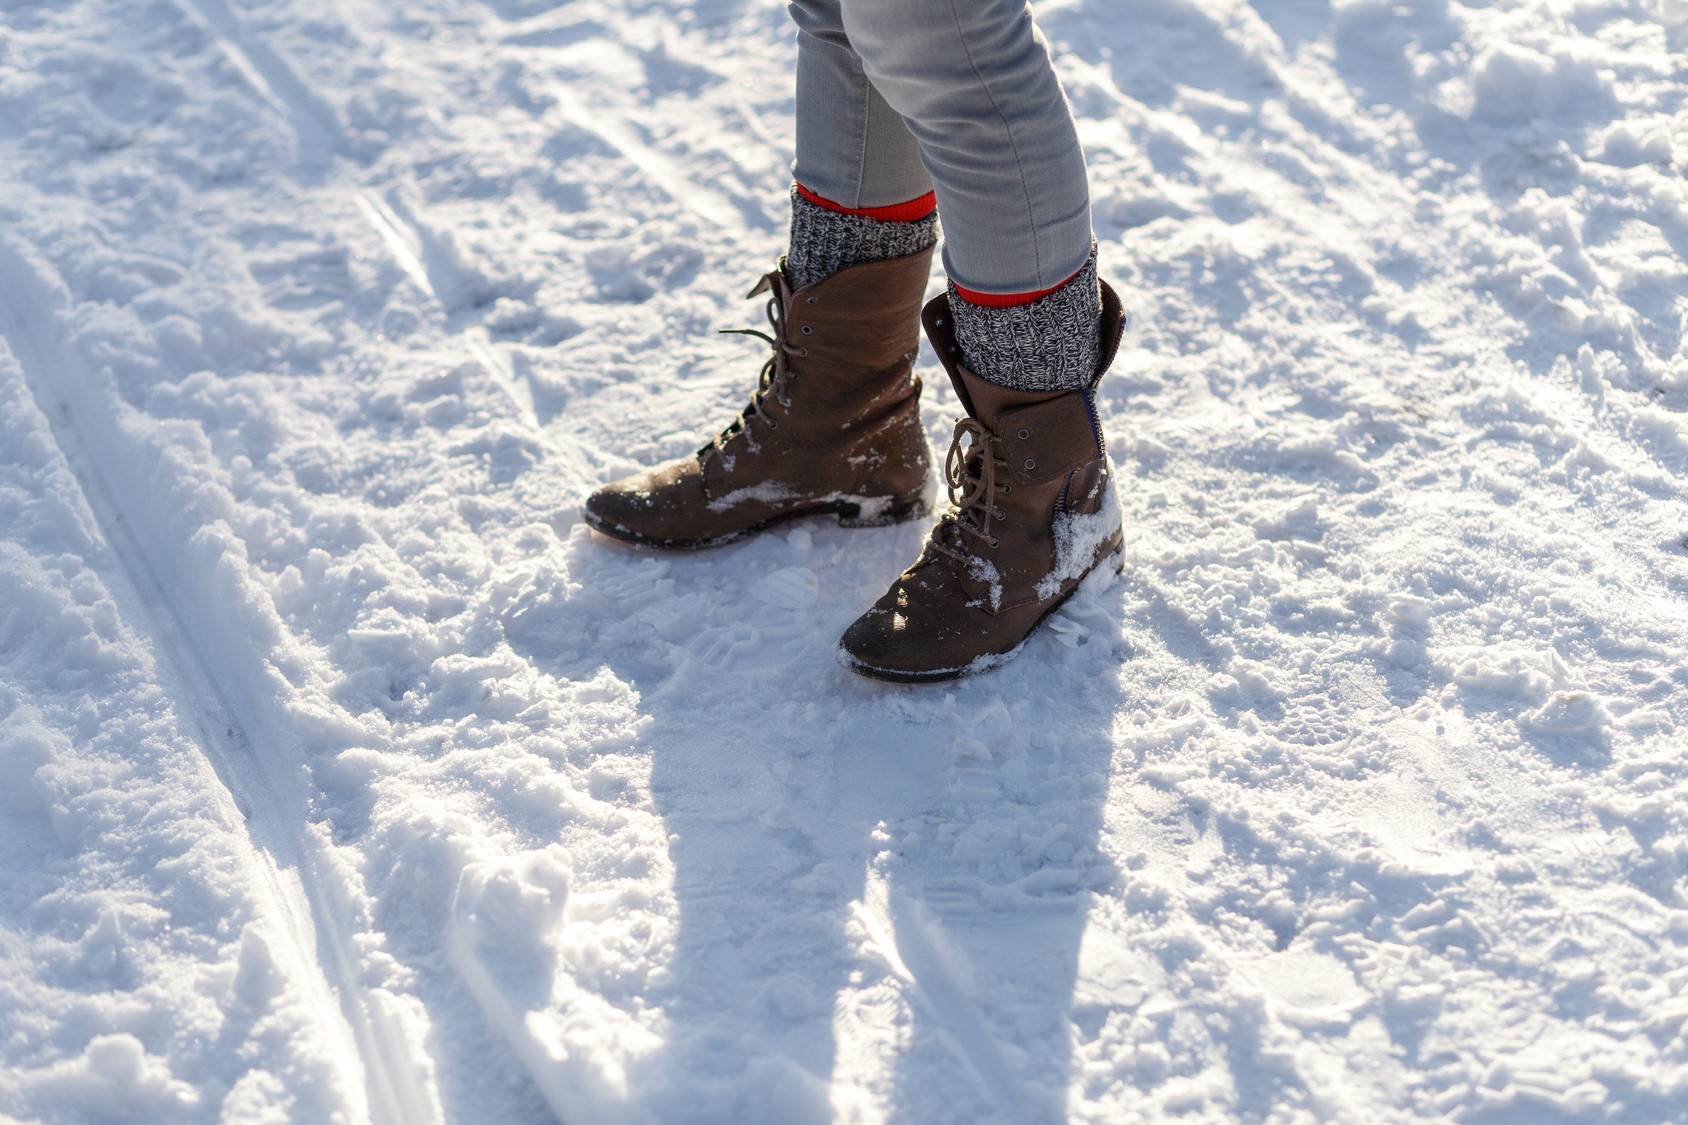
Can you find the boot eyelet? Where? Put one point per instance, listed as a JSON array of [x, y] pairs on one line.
[[1001, 515], [1024, 434], [812, 300], [773, 423], [993, 543], [1030, 464], [1007, 488], [802, 351], [807, 330]]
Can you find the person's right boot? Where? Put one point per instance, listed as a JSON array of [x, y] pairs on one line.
[[833, 427], [1032, 516]]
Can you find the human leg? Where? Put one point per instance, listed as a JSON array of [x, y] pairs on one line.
[[973, 82], [852, 148], [1032, 513], [1025, 331], [834, 424], [975, 85], [861, 193]]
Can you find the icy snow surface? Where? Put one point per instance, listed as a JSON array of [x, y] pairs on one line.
[[346, 778]]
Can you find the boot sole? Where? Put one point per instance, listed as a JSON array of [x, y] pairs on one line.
[[992, 660], [870, 512]]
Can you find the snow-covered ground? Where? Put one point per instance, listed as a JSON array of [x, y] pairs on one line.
[[344, 777]]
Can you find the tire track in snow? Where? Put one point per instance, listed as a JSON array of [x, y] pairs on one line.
[[315, 123], [400, 1093], [911, 945], [264, 775], [617, 129], [321, 135], [416, 252], [570, 1105], [401, 241], [659, 171]]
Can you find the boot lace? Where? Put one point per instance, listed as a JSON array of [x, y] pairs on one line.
[[771, 383], [970, 473]]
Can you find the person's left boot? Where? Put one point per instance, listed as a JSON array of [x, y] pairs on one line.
[[1032, 514], [833, 427]]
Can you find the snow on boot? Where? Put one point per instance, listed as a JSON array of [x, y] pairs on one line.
[[833, 427], [1033, 511]]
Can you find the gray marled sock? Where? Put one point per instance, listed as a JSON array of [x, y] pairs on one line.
[[1052, 344], [824, 242]]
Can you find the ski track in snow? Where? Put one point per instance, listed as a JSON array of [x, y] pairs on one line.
[[304, 891], [349, 778]]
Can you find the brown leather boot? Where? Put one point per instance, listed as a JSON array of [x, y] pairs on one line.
[[1031, 515], [834, 425]]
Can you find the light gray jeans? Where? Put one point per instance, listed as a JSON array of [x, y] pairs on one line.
[[896, 98]]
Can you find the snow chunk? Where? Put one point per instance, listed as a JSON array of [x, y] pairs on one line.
[[1079, 537], [1572, 713], [1316, 983], [1524, 676], [1514, 84], [1628, 143], [116, 1075]]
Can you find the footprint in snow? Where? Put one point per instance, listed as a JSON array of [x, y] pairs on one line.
[[1068, 631], [1311, 725], [731, 646], [722, 647], [636, 586], [791, 588]]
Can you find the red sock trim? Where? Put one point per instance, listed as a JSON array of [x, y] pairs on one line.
[[912, 211], [1007, 300]]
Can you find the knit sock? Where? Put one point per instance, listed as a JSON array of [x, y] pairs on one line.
[[1048, 341], [826, 238]]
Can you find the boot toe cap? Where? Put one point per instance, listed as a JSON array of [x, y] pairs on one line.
[[657, 507], [621, 506], [909, 636]]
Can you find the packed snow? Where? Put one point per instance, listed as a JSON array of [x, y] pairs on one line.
[[346, 777]]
